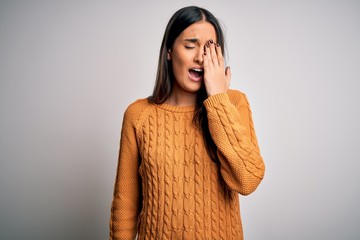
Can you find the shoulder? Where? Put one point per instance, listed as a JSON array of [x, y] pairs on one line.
[[137, 106], [237, 97], [136, 109]]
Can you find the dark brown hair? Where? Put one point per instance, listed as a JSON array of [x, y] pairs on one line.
[[182, 19]]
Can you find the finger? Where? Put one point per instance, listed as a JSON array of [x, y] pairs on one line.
[[214, 57], [219, 54], [208, 55], [206, 58]]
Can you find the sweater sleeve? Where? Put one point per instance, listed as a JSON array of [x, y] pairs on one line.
[[126, 203], [232, 130]]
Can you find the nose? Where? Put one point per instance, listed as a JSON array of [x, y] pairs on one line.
[[199, 56]]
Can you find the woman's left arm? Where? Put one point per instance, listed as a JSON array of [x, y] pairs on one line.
[[232, 129]]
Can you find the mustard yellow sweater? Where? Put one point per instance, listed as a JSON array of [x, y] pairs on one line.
[[167, 187]]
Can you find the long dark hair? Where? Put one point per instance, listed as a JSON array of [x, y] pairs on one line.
[[182, 19]]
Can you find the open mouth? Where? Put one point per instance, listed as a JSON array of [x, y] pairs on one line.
[[196, 74]]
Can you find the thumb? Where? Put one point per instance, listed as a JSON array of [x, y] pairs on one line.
[[228, 73]]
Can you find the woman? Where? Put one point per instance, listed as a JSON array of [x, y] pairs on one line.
[[190, 148]]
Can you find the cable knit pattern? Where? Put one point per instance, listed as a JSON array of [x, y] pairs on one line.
[[166, 185]]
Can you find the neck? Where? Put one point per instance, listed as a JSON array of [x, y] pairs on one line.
[[181, 98]]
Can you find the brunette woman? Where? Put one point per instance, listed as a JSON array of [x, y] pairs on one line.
[[190, 149]]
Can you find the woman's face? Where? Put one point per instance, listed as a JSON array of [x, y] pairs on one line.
[[186, 56]]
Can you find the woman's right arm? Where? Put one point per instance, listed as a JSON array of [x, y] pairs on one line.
[[126, 204]]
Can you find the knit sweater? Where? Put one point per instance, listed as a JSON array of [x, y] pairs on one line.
[[167, 187]]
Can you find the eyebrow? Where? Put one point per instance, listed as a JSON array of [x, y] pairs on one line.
[[192, 40]]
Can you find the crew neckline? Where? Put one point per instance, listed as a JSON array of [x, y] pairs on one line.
[[174, 108]]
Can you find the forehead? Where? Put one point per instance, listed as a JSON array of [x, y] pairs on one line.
[[202, 31]]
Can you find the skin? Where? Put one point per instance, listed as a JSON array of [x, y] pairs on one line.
[[195, 47]]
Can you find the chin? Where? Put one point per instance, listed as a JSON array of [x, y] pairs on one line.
[[194, 89]]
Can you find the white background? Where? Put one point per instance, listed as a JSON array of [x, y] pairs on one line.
[[68, 69]]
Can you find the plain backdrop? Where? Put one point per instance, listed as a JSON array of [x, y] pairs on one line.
[[68, 70]]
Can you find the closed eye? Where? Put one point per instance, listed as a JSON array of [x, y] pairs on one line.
[[189, 47]]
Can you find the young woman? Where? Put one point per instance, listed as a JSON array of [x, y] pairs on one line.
[[190, 148]]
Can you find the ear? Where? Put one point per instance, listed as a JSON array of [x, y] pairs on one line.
[[168, 56]]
